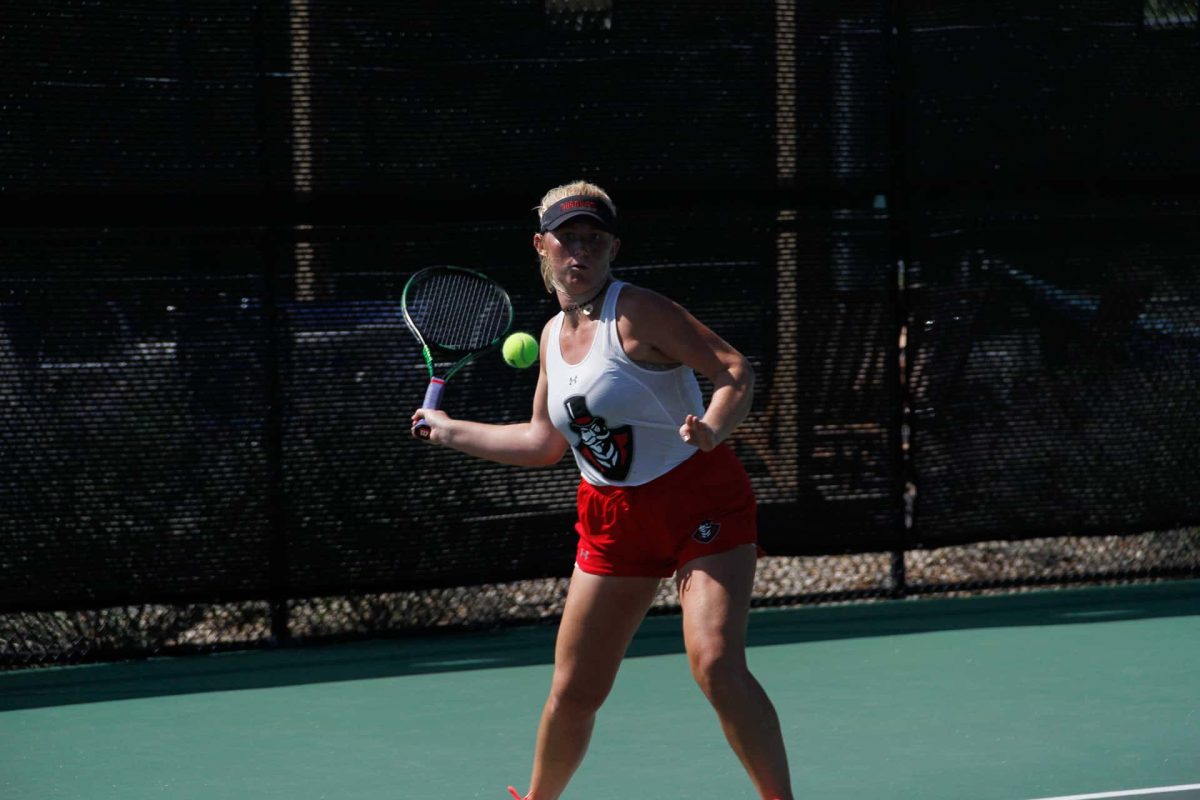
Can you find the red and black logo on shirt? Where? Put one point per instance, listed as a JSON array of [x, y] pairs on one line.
[[609, 450]]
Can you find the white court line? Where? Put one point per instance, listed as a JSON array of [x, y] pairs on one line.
[[1126, 793]]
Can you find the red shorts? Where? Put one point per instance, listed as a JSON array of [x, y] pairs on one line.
[[702, 507]]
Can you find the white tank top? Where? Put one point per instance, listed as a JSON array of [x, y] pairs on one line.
[[621, 419]]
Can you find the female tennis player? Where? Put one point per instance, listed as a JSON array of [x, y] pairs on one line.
[[660, 494]]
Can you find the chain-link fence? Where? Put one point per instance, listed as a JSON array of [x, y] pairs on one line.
[[959, 245]]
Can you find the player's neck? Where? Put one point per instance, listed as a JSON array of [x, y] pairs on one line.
[[588, 306]]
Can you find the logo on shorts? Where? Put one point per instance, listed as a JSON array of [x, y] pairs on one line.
[[707, 531], [609, 450]]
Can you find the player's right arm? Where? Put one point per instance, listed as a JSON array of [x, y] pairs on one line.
[[536, 443]]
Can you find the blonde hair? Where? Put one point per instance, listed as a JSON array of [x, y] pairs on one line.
[[558, 193]]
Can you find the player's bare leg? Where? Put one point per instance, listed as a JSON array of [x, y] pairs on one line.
[[714, 592], [599, 620]]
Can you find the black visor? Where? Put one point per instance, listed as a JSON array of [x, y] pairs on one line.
[[578, 205]]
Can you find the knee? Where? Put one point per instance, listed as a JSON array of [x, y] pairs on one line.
[[719, 672], [576, 698]]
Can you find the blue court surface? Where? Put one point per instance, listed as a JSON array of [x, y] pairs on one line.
[[1065, 694]]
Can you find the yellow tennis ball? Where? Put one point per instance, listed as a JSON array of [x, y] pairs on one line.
[[520, 350]]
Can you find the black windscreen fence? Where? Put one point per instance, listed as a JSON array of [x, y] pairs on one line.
[[960, 245]]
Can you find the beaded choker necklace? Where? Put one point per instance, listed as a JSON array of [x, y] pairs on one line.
[[586, 305]]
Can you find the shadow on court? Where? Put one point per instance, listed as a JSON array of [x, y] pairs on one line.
[[533, 645]]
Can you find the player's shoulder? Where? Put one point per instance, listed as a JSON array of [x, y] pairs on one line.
[[638, 302]]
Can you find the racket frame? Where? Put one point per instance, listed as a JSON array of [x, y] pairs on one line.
[[433, 392]]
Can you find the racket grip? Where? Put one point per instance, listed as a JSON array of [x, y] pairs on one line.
[[433, 394], [433, 399]]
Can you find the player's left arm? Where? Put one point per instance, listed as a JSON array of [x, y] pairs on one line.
[[662, 329]]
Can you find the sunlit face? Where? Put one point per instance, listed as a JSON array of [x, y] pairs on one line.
[[576, 256]]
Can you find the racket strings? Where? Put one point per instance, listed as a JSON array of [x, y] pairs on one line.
[[460, 311]]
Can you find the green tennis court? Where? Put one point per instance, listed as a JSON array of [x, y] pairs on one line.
[[1069, 693]]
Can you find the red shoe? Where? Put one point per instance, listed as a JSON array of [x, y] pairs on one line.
[[514, 793]]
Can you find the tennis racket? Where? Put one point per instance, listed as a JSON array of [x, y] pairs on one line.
[[456, 315]]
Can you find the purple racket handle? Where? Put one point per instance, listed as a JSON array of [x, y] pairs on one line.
[[433, 399]]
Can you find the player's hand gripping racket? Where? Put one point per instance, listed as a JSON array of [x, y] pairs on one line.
[[454, 313]]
